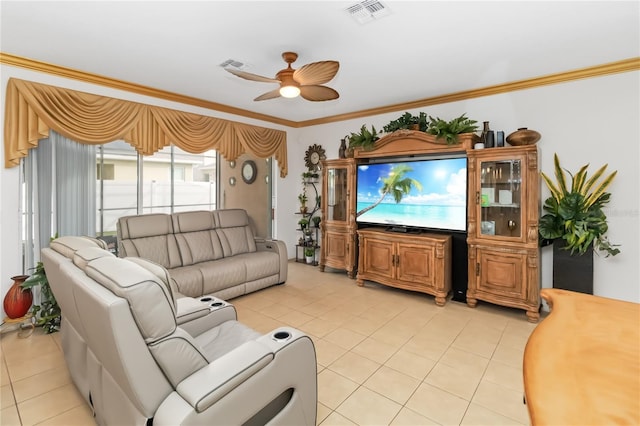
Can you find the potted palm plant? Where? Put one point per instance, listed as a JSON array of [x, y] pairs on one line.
[[575, 223]]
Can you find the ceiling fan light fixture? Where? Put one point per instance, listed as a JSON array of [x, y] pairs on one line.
[[289, 91]]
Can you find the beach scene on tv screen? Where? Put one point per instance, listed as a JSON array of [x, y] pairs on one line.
[[425, 194]]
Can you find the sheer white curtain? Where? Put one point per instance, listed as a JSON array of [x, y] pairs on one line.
[[59, 183]]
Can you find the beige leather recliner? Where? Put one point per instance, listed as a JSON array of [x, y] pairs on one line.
[[142, 366]]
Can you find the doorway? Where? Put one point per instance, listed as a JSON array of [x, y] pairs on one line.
[[246, 184]]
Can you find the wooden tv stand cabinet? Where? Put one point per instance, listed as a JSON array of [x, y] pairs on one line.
[[411, 261]]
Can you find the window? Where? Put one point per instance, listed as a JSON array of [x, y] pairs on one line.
[[171, 180], [178, 173], [118, 196], [105, 171]]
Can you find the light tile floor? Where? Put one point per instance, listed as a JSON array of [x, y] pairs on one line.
[[385, 356]]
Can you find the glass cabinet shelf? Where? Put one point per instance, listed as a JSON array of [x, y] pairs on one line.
[[500, 198]]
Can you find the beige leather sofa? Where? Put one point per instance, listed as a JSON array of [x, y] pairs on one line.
[[139, 356], [206, 252]]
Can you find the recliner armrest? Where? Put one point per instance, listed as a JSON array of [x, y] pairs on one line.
[[209, 384], [203, 321], [278, 247], [190, 308]]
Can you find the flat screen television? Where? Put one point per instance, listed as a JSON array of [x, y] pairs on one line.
[[414, 193]]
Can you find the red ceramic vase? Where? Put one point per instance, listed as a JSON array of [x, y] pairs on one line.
[[18, 300]]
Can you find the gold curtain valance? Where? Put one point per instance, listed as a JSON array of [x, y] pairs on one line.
[[32, 109]]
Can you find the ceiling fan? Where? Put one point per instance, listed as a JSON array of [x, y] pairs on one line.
[[305, 81]]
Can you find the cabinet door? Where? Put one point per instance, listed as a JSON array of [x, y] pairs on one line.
[[337, 194], [336, 248], [502, 275], [415, 264], [500, 198], [378, 257]]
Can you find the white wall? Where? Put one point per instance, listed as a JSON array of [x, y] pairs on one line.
[[595, 120]]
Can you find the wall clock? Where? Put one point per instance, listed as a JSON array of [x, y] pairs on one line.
[[313, 156], [249, 171]]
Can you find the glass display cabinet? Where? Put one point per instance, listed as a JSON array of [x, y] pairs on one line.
[[500, 198], [338, 248], [503, 228]]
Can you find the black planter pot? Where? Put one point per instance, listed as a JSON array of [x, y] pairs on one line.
[[572, 272]]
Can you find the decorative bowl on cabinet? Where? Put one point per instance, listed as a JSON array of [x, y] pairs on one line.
[[523, 136]]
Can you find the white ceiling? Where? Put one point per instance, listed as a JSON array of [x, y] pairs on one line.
[[420, 50]]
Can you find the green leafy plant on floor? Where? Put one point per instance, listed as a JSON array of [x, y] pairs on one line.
[[574, 213], [449, 130], [47, 314]]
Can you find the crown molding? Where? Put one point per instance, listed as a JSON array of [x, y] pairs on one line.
[[71, 73], [626, 65]]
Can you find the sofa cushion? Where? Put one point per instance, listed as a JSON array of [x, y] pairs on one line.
[[161, 249], [178, 355], [217, 341], [149, 236], [196, 238], [160, 272], [85, 255], [189, 280], [69, 244], [235, 232], [199, 246], [220, 274], [231, 218], [147, 225], [260, 264], [200, 220], [236, 241], [150, 300]]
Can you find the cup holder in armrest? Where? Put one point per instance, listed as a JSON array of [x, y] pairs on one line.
[[281, 336], [213, 302]]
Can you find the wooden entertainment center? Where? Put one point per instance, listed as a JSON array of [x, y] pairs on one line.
[[419, 262], [501, 238]]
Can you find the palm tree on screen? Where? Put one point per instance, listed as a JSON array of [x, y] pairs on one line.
[[395, 184]]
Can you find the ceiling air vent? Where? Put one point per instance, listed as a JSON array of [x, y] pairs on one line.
[[368, 10], [232, 63]]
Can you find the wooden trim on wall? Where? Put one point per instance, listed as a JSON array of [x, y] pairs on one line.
[[44, 67], [626, 65]]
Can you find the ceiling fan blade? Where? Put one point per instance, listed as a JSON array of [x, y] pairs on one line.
[[316, 72], [253, 77], [269, 95], [318, 93]]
